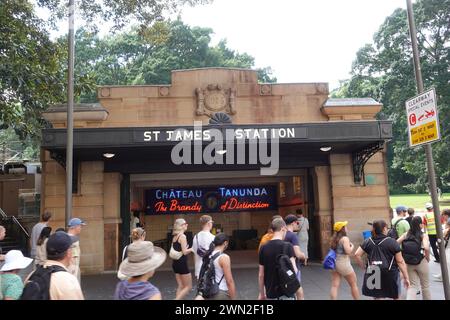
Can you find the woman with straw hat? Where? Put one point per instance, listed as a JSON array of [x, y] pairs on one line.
[[11, 285], [179, 252], [139, 266]]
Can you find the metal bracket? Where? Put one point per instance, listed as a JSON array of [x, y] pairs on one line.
[[59, 157], [359, 159]]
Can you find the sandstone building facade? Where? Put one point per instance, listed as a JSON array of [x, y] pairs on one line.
[[134, 124]]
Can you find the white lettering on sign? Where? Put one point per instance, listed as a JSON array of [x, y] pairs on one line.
[[205, 135], [148, 135]]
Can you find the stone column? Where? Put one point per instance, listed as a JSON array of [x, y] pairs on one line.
[[359, 204], [111, 214], [324, 209], [88, 205]]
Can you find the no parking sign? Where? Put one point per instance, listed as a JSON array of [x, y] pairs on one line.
[[423, 121]]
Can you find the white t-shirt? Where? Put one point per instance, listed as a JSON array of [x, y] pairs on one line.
[[202, 239]]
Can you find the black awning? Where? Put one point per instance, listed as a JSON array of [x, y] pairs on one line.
[[324, 132], [148, 149]]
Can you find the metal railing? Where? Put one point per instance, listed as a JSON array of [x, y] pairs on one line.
[[3, 214], [16, 222]]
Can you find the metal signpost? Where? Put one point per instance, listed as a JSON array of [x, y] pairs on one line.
[[425, 131], [69, 148]]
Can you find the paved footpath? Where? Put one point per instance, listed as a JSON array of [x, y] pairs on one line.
[[316, 284]]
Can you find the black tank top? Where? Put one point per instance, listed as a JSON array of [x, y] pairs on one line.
[[177, 245]]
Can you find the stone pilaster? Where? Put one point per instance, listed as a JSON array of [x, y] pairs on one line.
[[323, 212]]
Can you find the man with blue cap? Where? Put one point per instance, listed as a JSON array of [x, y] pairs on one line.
[[74, 231]]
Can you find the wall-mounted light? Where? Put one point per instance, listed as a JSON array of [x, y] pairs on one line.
[[108, 155], [325, 149], [221, 152]]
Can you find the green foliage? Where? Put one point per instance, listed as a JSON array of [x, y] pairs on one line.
[[148, 55], [120, 12], [33, 68], [13, 147], [29, 68], [384, 71]]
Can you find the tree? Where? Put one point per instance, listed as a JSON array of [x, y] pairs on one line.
[[28, 67], [120, 12], [148, 56], [384, 70]]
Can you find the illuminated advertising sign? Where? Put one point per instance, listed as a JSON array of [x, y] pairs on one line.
[[191, 200]]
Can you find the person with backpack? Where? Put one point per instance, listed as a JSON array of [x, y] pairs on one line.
[[277, 268], [53, 281], [41, 251], [416, 253], [292, 225], [139, 266], [341, 244], [202, 242], [11, 285], [215, 278], [178, 252], [399, 225], [381, 277]]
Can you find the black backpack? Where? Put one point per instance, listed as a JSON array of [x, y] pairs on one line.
[[378, 258], [207, 285], [412, 251], [288, 283], [392, 233], [38, 285]]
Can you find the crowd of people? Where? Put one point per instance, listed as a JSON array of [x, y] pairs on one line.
[[395, 253], [55, 272]]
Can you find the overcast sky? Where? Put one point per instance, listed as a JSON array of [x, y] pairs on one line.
[[302, 40]]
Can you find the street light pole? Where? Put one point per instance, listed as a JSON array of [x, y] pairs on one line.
[[429, 154], [69, 145]]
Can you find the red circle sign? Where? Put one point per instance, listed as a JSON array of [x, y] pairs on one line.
[[412, 119]]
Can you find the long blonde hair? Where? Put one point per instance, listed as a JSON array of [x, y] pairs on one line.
[[178, 226]]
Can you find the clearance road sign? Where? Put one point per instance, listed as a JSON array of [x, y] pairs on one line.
[[423, 121]]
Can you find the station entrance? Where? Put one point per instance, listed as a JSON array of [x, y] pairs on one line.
[[241, 203]]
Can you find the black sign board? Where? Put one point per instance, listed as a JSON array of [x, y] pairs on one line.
[[191, 200]]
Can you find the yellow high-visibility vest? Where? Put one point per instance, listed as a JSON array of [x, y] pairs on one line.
[[431, 224]]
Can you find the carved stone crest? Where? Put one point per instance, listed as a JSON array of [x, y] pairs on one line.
[[214, 98]]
